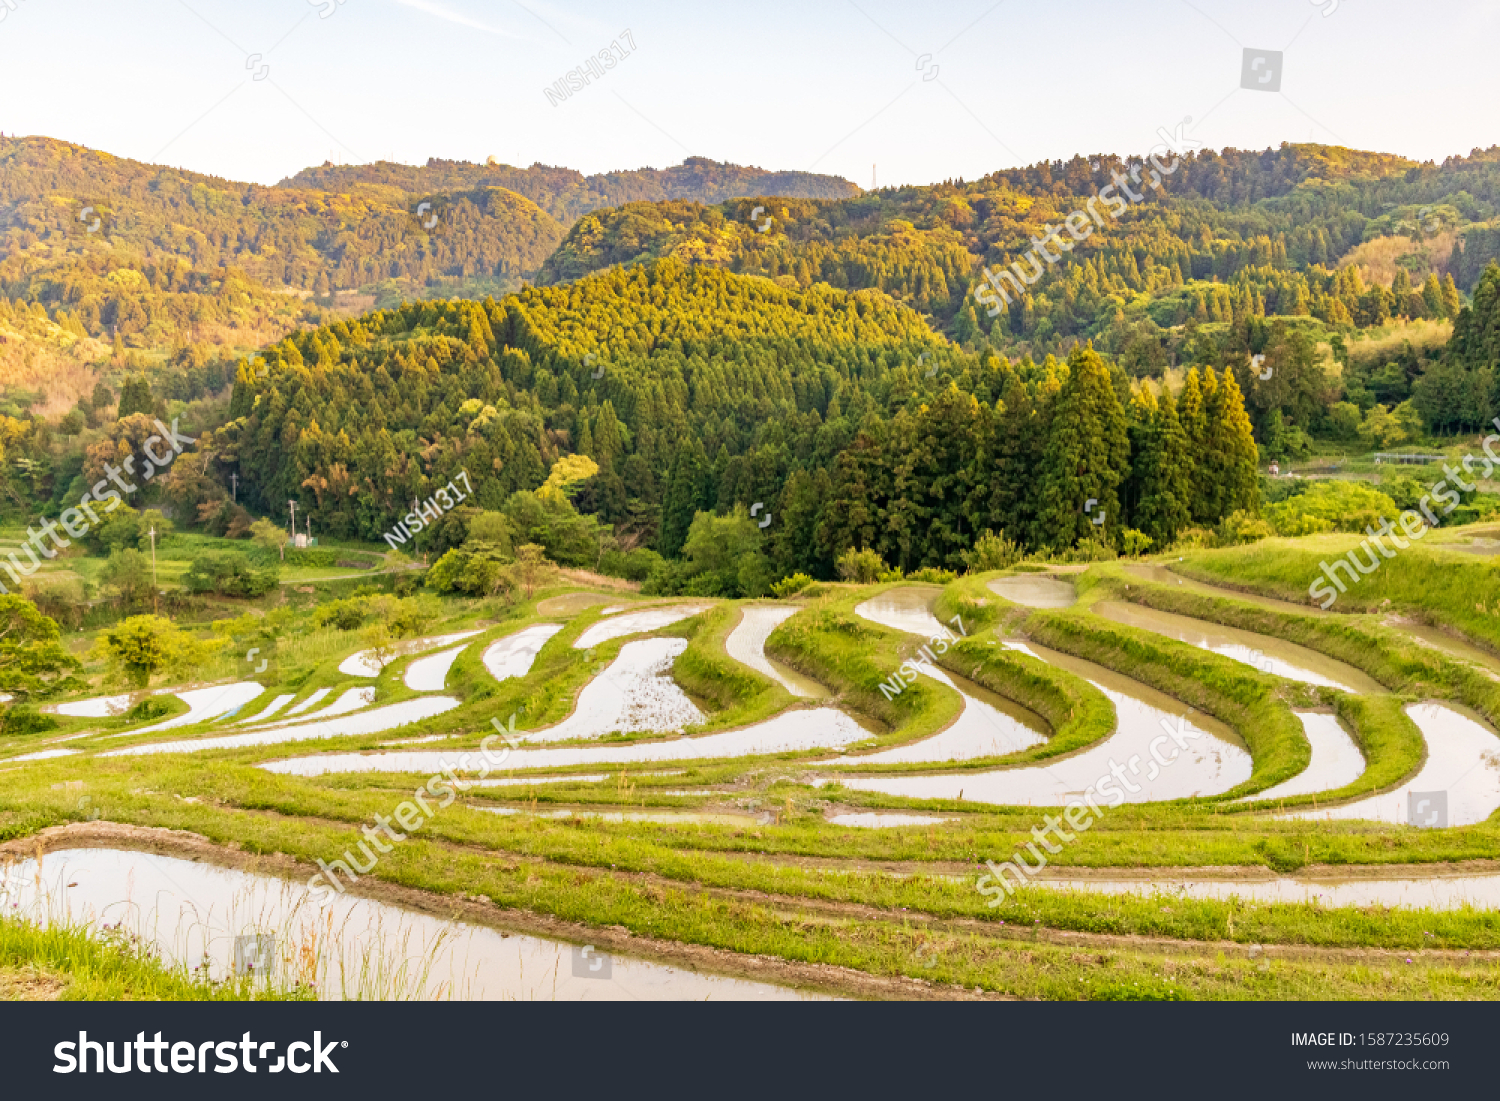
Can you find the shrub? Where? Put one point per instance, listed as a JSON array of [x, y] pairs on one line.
[[1239, 528], [25, 719], [861, 566], [152, 707], [228, 574], [1093, 549], [634, 565], [790, 586], [59, 598], [1134, 543], [931, 574], [345, 615], [992, 551], [1332, 506]]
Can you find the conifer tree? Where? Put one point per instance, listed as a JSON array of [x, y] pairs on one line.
[[1087, 457], [1452, 300], [1162, 473], [1237, 457]]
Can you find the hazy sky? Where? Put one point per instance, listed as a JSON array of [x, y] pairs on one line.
[[925, 91]]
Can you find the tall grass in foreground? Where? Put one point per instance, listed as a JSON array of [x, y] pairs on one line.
[[179, 948]]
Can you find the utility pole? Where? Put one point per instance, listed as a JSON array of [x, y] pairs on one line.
[[293, 505], [307, 522], [234, 486], [155, 591]]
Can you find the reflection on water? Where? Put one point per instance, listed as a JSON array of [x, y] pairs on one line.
[[1462, 766], [371, 721], [653, 619], [1269, 655], [350, 948], [1435, 893], [1036, 591], [907, 608], [988, 726], [880, 819], [1202, 765], [514, 655], [429, 674], [812, 728], [1336, 760], [635, 693], [747, 645]]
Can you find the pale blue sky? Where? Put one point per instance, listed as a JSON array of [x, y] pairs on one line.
[[829, 85]]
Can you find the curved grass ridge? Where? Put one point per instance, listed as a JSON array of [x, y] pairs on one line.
[[1467, 601], [1233, 693], [1078, 713], [854, 657], [706, 671], [1388, 656]]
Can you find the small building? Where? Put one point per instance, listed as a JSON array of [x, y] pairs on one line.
[[1275, 470], [300, 542]]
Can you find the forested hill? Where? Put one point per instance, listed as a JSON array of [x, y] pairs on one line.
[[1339, 238], [697, 390], [566, 194], [107, 262]]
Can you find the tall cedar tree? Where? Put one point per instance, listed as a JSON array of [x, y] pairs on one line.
[[1161, 471], [1234, 450], [1087, 456]]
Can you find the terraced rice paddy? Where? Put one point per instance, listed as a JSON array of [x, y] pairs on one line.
[[514, 655], [635, 693], [1460, 778], [792, 731], [705, 800], [1270, 655], [635, 623], [372, 721], [1336, 760], [747, 644], [194, 913]]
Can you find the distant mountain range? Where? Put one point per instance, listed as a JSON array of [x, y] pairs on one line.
[[136, 264]]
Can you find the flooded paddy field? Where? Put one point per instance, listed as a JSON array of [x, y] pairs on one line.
[[202, 915]]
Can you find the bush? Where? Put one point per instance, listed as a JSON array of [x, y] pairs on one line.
[[25, 719], [861, 566], [152, 707], [1134, 543], [59, 598], [992, 551], [1332, 506], [1239, 528], [228, 574], [790, 586], [1093, 549], [1193, 539], [932, 575], [345, 615], [634, 565]]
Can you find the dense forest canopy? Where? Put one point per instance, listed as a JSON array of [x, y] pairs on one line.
[[110, 262], [699, 391], [1227, 236]]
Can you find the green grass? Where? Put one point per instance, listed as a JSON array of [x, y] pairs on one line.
[[1466, 601], [805, 891], [80, 965]]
